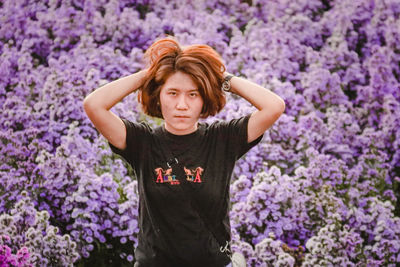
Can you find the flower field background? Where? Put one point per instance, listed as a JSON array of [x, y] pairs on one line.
[[322, 188]]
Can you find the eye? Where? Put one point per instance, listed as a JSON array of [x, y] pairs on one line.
[[172, 93], [193, 94]]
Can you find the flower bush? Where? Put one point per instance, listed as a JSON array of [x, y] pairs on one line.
[[322, 187], [28, 233], [7, 258]]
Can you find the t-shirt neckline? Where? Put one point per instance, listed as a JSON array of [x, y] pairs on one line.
[[183, 136]]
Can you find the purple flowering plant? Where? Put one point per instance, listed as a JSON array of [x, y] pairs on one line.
[[321, 188], [35, 242], [7, 258]]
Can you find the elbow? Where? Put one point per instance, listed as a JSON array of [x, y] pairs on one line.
[[278, 110], [281, 106], [88, 105]]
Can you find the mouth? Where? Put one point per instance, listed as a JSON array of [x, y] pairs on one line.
[[181, 117]]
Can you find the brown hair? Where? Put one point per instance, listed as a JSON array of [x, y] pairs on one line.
[[201, 62]]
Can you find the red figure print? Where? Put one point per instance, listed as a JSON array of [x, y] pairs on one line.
[[187, 171], [159, 172], [168, 171], [199, 172], [165, 176]]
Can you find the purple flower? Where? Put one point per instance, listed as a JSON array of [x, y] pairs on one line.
[[324, 176]]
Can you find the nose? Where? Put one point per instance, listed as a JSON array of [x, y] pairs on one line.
[[182, 103]]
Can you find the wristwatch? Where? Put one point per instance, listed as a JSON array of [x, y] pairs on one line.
[[226, 84]]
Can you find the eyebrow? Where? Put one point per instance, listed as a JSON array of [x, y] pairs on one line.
[[177, 89]]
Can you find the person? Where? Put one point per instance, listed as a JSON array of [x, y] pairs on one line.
[[184, 166]]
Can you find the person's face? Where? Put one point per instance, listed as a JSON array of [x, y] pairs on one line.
[[181, 104]]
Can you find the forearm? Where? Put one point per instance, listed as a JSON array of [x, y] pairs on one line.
[[260, 97], [110, 94]]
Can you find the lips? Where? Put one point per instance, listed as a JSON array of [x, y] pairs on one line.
[[181, 116]]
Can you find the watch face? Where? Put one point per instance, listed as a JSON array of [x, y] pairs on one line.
[[226, 86]]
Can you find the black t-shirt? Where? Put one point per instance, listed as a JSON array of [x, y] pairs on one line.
[[208, 156]]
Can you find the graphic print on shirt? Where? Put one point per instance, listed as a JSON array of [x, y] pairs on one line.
[[194, 175], [166, 176]]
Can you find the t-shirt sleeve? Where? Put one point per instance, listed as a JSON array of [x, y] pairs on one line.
[[136, 134], [237, 132]]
